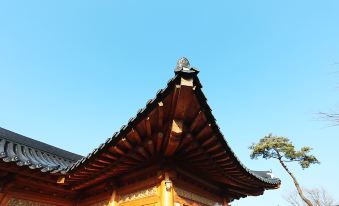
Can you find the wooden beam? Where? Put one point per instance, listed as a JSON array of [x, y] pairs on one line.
[[170, 115], [199, 117], [116, 165], [85, 172], [137, 174], [148, 127], [136, 156], [194, 152], [174, 138], [198, 158], [198, 179], [104, 160], [219, 154], [191, 147], [224, 161], [109, 156], [160, 115], [82, 174], [174, 100], [205, 152], [205, 132], [96, 163], [209, 141], [215, 147], [141, 150], [150, 147], [117, 150], [159, 141], [180, 102], [25, 171], [141, 184], [126, 143], [135, 135], [42, 185], [184, 98], [189, 172], [185, 141]]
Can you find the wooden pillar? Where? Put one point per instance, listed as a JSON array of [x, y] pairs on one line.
[[166, 188], [113, 201], [226, 202]]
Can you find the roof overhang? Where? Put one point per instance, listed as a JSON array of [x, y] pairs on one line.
[[176, 126]]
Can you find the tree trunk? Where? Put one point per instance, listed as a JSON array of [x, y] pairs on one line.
[[300, 192]]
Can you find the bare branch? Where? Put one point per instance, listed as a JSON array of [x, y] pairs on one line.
[[318, 197], [331, 117]]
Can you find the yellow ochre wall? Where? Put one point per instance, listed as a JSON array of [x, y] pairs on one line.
[[163, 194]]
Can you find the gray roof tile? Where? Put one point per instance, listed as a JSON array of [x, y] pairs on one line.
[[34, 154]]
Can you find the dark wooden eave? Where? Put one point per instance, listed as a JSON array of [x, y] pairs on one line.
[[176, 126]]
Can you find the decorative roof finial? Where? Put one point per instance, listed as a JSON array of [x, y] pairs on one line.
[[183, 65]]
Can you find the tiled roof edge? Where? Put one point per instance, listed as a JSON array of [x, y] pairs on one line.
[[203, 101], [29, 142], [130, 124]]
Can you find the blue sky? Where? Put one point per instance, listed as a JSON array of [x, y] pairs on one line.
[[72, 73]]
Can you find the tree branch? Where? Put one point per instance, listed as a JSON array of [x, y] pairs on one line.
[[303, 197]]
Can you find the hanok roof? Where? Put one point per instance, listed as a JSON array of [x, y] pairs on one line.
[[177, 126], [25, 151]]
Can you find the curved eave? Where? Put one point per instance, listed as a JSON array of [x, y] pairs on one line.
[[89, 170], [270, 183], [141, 114], [32, 154]]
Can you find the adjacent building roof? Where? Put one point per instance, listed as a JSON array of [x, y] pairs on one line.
[[34, 154]]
